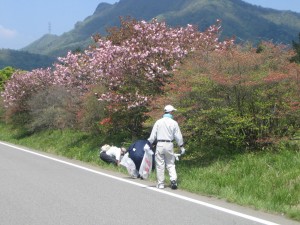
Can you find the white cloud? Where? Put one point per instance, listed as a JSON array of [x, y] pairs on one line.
[[7, 33]]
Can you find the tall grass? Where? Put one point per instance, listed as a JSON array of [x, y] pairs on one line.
[[268, 181], [264, 180]]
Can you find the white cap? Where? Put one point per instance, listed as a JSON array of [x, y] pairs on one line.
[[105, 147], [169, 108]]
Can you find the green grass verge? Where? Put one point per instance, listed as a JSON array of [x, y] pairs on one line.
[[268, 181]]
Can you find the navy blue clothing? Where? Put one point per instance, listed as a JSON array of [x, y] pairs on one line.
[[136, 152]]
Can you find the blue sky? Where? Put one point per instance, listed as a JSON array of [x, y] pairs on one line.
[[24, 21]]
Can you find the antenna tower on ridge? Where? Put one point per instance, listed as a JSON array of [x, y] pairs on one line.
[[49, 28]]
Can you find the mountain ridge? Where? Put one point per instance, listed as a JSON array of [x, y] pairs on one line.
[[240, 19], [245, 21]]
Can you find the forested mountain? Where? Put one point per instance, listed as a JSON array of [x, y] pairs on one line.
[[24, 60], [240, 19]]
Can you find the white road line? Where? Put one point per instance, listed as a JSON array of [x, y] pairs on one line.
[[150, 188]]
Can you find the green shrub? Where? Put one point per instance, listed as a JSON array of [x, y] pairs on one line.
[[235, 103], [5, 74]]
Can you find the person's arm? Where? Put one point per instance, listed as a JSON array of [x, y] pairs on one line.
[[179, 139], [178, 136], [118, 155], [153, 134]]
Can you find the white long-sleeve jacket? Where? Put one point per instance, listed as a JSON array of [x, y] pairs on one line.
[[166, 129]]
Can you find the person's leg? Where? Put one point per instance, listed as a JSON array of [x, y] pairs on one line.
[[107, 158], [137, 159], [170, 164], [160, 166]]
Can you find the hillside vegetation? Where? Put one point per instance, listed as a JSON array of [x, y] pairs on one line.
[[24, 60], [238, 107], [246, 22], [240, 19]]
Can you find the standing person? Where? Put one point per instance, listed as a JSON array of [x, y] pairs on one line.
[[165, 131], [112, 154]]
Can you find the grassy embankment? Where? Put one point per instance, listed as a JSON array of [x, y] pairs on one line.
[[268, 181]]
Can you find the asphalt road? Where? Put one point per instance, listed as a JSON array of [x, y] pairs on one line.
[[41, 189]]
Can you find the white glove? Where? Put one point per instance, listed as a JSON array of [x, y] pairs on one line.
[[176, 156], [182, 150], [148, 150], [146, 147]]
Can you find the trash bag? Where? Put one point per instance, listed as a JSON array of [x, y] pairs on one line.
[[146, 165], [130, 166]]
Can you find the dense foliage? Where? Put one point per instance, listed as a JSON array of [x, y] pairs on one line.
[[5, 74], [128, 71], [230, 95], [242, 98]]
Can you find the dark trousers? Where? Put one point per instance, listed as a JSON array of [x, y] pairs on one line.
[[107, 158], [136, 152]]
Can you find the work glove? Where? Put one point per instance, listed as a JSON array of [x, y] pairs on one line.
[[182, 150], [148, 150], [176, 156], [146, 147]]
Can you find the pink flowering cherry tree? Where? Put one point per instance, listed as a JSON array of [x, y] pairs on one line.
[[133, 64]]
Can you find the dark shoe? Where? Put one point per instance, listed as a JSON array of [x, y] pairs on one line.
[[139, 176], [174, 184]]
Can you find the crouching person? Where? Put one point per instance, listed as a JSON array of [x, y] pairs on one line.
[[136, 152], [112, 154], [139, 159]]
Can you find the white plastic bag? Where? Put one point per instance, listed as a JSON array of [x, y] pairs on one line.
[[130, 166], [146, 164]]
